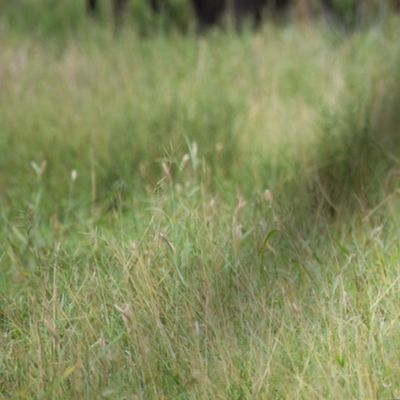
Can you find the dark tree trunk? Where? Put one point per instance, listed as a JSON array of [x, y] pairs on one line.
[[249, 9], [156, 5], [92, 7], [279, 5], [119, 7], [209, 12]]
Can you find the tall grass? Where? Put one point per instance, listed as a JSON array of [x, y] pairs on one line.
[[174, 219]]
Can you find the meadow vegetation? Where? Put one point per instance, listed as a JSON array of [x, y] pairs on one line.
[[198, 217]]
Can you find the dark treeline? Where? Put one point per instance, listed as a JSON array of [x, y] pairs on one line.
[[212, 12]]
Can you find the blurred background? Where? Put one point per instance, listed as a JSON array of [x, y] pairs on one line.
[[49, 17]]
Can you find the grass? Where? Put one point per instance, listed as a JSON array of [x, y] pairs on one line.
[[192, 217]]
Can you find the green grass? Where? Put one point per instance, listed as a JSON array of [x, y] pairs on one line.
[[206, 217]]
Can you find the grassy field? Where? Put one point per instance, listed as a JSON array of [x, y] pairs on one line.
[[212, 217]]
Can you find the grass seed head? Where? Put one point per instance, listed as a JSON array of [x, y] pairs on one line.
[[74, 175]]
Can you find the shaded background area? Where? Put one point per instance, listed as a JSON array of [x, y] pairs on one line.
[[33, 17], [357, 163]]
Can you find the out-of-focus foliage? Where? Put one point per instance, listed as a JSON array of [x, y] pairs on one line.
[[353, 13], [61, 17]]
